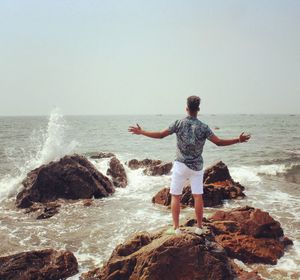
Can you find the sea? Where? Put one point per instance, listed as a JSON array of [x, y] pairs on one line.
[[268, 166]]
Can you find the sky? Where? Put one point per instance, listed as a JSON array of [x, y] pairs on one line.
[[146, 57]]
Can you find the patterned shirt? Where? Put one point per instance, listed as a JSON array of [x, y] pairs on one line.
[[191, 135]]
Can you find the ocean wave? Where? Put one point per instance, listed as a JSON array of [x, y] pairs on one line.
[[49, 145], [254, 173]]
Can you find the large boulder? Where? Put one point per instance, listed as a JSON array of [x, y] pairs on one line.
[[38, 265], [248, 234], [72, 177], [166, 257], [135, 164], [117, 172]]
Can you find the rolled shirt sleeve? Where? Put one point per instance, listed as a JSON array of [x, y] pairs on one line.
[[208, 132], [173, 128]]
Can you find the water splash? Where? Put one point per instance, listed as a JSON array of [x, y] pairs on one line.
[[50, 145]]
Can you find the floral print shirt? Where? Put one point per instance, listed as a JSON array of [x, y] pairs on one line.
[[191, 136]]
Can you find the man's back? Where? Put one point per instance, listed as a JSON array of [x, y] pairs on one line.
[[191, 135]]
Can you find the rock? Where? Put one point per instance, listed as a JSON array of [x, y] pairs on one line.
[[102, 155], [38, 265], [72, 177], [163, 197], [216, 173], [212, 196], [87, 202], [159, 170], [135, 164], [44, 210], [214, 191], [251, 221], [251, 250], [165, 257], [250, 235], [117, 172], [244, 275]]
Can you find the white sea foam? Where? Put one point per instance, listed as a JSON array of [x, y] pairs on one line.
[[252, 173], [51, 145]]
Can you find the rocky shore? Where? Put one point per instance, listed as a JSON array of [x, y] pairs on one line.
[[248, 234]]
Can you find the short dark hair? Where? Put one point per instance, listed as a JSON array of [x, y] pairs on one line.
[[193, 103]]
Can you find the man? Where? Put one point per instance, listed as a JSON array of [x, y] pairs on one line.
[[191, 136]]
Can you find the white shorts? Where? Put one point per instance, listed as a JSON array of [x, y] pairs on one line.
[[180, 174]]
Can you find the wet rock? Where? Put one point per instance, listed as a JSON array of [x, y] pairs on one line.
[[214, 191], [251, 250], [251, 221], [44, 210], [216, 173], [135, 164], [38, 265], [255, 237], [72, 177], [163, 197], [102, 155], [248, 234], [117, 172], [87, 202], [159, 170], [165, 257], [212, 196], [244, 275]]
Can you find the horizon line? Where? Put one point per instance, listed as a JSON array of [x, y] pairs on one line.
[[154, 114]]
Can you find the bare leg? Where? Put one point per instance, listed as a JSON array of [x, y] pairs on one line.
[[198, 208], [175, 207]]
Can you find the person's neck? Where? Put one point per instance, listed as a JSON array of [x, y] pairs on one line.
[[193, 115]]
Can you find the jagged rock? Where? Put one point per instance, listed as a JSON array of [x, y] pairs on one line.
[[135, 164], [214, 191], [72, 177], [213, 195], [102, 155], [251, 250], [248, 234], [244, 275], [251, 221], [44, 210], [117, 172], [216, 173], [164, 257], [38, 265], [159, 170]]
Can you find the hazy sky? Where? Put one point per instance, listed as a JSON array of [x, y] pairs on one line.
[[146, 57]]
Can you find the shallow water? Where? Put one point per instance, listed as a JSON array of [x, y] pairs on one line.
[[268, 166]]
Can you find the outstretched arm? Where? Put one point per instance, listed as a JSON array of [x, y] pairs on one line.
[[226, 142], [152, 134]]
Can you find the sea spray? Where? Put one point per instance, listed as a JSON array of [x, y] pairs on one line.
[[50, 145]]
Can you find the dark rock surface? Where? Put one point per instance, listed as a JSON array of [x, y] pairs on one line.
[[214, 190], [102, 155], [117, 172], [72, 177], [166, 257], [135, 164], [248, 234], [38, 265], [159, 169]]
